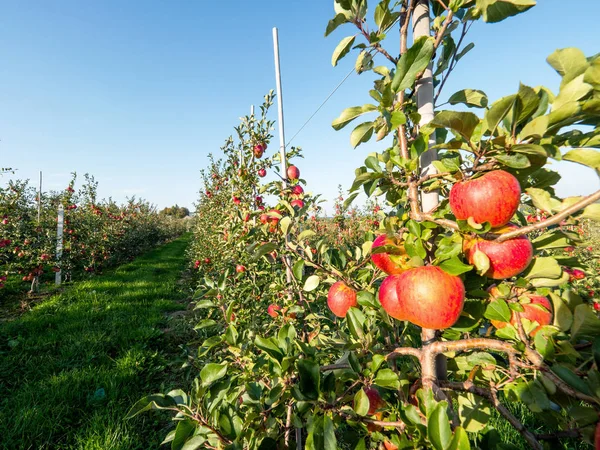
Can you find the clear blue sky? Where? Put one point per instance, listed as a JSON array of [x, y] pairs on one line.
[[137, 93]]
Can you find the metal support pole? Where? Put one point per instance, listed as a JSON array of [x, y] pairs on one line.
[[40, 200], [280, 107]]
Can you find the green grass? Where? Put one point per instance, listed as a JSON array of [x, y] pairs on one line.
[[72, 367]]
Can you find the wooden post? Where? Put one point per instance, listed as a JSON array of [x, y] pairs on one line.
[[429, 200], [59, 242], [40, 200]]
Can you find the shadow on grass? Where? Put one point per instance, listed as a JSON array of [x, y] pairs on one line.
[[72, 367]]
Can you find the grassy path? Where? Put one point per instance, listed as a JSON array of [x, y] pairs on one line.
[[72, 367]]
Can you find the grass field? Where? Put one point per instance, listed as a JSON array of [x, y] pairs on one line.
[[72, 366]]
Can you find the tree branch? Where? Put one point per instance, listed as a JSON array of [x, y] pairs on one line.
[[404, 351], [443, 222], [442, 31]]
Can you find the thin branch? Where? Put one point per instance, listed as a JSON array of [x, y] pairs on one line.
[[288, 425], [404, 351], [490, 395], [443, 222], [552, 220], [377, 46], [335, 367], [382, 423], [465, 30], [442, 31]]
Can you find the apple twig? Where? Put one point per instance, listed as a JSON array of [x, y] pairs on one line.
[[442, 31], [443, 222], [404, 351], [382, 423]]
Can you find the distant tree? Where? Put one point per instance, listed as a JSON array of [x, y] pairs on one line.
[[176, 211]]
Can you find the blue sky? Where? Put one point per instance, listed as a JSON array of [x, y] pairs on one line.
[[137, 93]]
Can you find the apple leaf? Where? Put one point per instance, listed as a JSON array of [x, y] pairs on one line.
[[155, 401], [568, 62], [563, 317], [454, 266], [438, 427], [586, 156], [543, 267], [412, 63], [338, 20], [212, 372], [481, 261], [497, 112], [498, 310], [349, 114], [460, 440], [309, 385], [585, 323], [387, 378], [592, 212], [361, 403], [469, 97], [569, 377], [517, 161], [342, 49], [362, 133], [311, 283], [497, 10], [298, 269], [463, 123], [474, 412]]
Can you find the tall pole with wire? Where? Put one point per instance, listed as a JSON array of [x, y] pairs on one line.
[[39, 217], [280, 107]]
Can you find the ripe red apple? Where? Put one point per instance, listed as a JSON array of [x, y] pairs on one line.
[[391, 263], [341, 298], [262, 173], [272, 310], [375, 400], [259, 149], [297, 190], [507, 259], [293, 173], [240, 269], [206, 260], [297, 203], [539, 310], [493, 197], [236, 200], [263, 218], [426, 296]]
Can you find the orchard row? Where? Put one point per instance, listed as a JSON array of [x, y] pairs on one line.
[[96, 233]]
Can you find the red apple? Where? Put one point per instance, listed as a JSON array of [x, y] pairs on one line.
[[240, 269], [297, 190], [507, 259], [272, 310], [236, 200], [293, 173], [206, 260], [262, 173], [259, 149], [263, 218], [493, 197], [426, 296], [375, 400], [597, 437], [391, 263], [539, 310], [297, 203], [341, 298]]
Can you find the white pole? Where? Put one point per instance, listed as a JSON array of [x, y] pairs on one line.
[[280, 107], [59, 241], [251, 110], [424, 90], [40, 199]]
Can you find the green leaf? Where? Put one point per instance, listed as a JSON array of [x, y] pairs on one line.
[[329, 434], [184, 429], [195, 443], [387, 378], [463, 123], [498, 310], [469, 97], [306, 234], [412, 63], [551, 240], [269, 346], [438, 427], [285, 224], [155, 401], [356, 320], [585, 156], [311, 283], [573, 91], [542, 199], [454, 266], [361, 403], [349, 114], [569, 377], [362, 133], [264, 249], [592, 212], [460, 440], [543, 341], [298, 269], [481, 261], [568, 62], [338, 20], [474, 412], [543, 267], [342, 49], [309, 384], [498, 10], [497, 112], [517, 161], [212, 372], [585, 323]]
